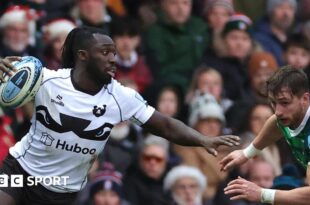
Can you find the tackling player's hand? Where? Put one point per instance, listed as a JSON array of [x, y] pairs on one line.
[[243, 189], [6, 66], [235, 158], [213, 143]]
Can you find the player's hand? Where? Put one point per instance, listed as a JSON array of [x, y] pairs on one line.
[[235, 158], [243, 189], [213, 143], [6, 67]]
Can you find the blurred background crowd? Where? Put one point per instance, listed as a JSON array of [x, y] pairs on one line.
[[204, 62]]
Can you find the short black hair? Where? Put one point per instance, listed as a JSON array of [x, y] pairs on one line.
[[77, 39], [123, 26], [298, 40], [289, 77]]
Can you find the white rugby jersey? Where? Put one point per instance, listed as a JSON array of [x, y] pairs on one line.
[[70, 127]]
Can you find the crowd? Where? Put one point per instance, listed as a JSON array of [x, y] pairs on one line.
[[204, 62]]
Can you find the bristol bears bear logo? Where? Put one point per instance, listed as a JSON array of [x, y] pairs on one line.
[[99, 111]]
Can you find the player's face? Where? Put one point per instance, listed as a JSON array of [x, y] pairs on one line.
[[101, 61], [289, 109]]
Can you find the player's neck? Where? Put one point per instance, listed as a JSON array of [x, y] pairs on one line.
[[83, 80]]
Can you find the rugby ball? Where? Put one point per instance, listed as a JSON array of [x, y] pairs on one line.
[[22, 86]]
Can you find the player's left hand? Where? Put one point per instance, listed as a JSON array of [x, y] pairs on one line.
[[243, 189], [213, 143]]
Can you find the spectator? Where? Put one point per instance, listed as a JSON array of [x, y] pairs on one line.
[[258, 115], [253, 9], [123, 146], [261, 66], [238, 42], [106, 189], [186, 185], [170, 101], [297, 51], [18, 32], [217, 14], [261, 172], [207, 117], [92, 13], [55, 33], [144, 183], [17, 26], [175, 43], [272, 30], [289, 179], [130, 64], [208, 80]]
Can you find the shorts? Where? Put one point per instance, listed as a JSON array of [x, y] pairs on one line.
[[31, 195]]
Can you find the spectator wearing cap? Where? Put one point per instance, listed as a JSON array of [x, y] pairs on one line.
[[143, 182], [238, 44], [207, 117], [107, 189], [55, 33], [272, 30], [17, 26], [175, 44], [217, 14], [289, 179], [186, 185], [261, 66]]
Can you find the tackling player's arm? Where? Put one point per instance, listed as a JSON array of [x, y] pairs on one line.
[[243, 189], [177, 132], [269, 134]]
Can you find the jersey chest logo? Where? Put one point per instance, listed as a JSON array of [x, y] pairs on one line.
[[74, 124], [99, 111]]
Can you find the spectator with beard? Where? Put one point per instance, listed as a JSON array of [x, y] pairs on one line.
[[272, 31], [18, 32], [186, 185]]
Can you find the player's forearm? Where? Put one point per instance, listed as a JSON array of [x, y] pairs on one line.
[[268, 135], [179, 133], [300, 196]]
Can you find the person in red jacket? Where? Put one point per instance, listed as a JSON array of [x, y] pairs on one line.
[[130, 64]]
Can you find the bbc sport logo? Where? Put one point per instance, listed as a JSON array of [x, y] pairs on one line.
[[18, 180]]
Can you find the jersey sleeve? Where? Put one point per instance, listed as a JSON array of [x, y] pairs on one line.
[[132, 105]]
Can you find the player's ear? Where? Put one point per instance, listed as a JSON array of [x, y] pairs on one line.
[[82, 55], [306, 97]]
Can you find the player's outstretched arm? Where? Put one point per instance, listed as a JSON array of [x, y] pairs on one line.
[[269, 134], [6, 65], [177, 132], [243, 189]]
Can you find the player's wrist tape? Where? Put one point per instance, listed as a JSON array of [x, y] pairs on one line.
[[251, 151], [267, 196]]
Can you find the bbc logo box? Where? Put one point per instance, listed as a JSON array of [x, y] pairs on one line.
[[13, 181]]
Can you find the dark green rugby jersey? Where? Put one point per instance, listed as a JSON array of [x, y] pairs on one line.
[[299, 140]]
